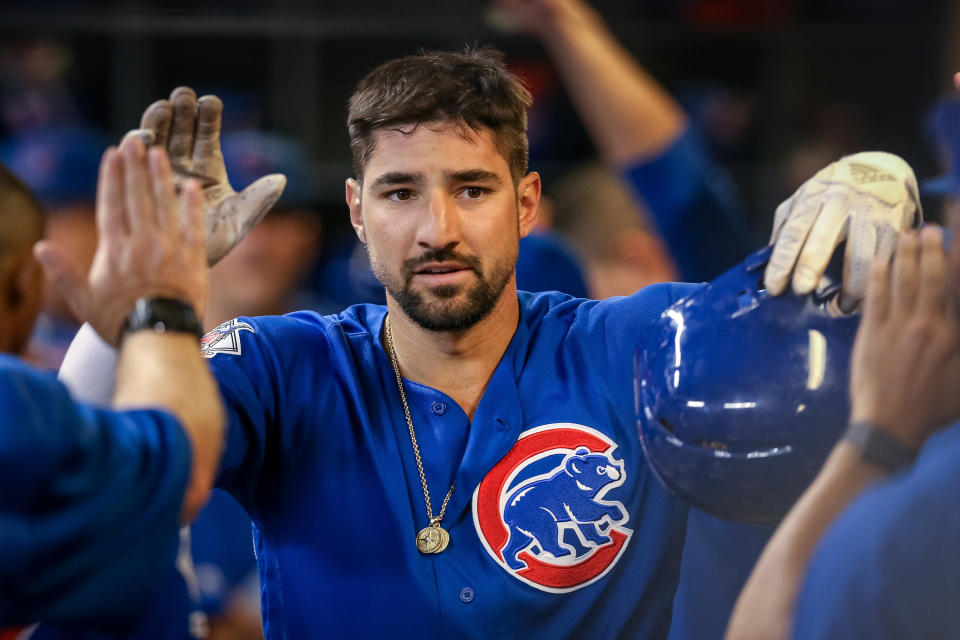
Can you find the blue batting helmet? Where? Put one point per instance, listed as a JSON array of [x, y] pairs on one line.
[[741, 395]]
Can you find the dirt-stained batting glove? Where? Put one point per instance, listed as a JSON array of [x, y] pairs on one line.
[[866, 199], [190, 131]]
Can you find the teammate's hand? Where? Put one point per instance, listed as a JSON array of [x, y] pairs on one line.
[[906, 358], [151, 242], [866, 199], [189, 129]]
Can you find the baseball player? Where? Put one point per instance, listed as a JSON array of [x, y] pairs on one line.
[[92, 497], [463, 460]]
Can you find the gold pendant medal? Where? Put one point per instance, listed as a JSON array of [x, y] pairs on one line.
[[432, 539]]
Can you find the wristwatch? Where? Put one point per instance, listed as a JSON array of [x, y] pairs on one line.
[[163, 315], [879, 447]]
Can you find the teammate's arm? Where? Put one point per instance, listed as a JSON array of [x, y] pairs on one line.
[[631, 117], [151, 246], [905, 365], [643, 133]]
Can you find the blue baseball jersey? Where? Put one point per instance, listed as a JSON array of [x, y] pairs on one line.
[[90, 503], [888, 567], [558, 527]]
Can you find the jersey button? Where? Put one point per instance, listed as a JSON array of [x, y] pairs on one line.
[[439, 408], [467, 595]]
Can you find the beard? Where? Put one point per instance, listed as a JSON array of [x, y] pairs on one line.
[[446, 307]]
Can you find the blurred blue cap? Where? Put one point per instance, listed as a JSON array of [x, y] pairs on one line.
[[943, 126], [250, 154], [60, 164]]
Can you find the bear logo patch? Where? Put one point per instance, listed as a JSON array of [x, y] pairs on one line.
[[543, 514]]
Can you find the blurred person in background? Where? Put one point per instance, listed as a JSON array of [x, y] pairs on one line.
[[34, 92], [642, 134], [267, 273], [59, 164], [609, 228]]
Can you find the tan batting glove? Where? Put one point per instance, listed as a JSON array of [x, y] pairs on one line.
[[866, 199], [190, 131]]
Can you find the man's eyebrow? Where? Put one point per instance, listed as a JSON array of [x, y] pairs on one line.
[[474, 175], [396, 177]]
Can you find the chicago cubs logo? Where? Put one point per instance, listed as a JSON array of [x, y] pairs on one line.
[[542, 511], [223, 339]]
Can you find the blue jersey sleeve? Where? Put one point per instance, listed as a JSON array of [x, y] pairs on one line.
[[888, 568], [613, 329], [272, 372], [90, 502], [696, 208]]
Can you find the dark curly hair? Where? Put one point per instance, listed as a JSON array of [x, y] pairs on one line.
[[472, 89]]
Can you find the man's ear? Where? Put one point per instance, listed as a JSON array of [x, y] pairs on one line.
[[353, 192], [528, 202]]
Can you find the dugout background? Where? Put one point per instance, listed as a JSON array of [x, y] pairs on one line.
[[764, 79]]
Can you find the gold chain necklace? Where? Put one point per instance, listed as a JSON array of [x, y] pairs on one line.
[[432, 538]]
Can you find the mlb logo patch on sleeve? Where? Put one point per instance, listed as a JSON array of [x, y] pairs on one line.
[[545, 514], [224, 339]]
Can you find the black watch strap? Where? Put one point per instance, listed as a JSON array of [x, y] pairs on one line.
[[163, 315], [879, 447]]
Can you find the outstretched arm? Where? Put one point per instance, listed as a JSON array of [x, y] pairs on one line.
[[630, 116], [905, 366], [641, 131]]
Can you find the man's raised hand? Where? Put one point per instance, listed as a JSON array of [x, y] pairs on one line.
[[151, 242], [189, 129], [866, 199]]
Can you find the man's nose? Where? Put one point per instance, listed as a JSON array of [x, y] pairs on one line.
[[440, 226]]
